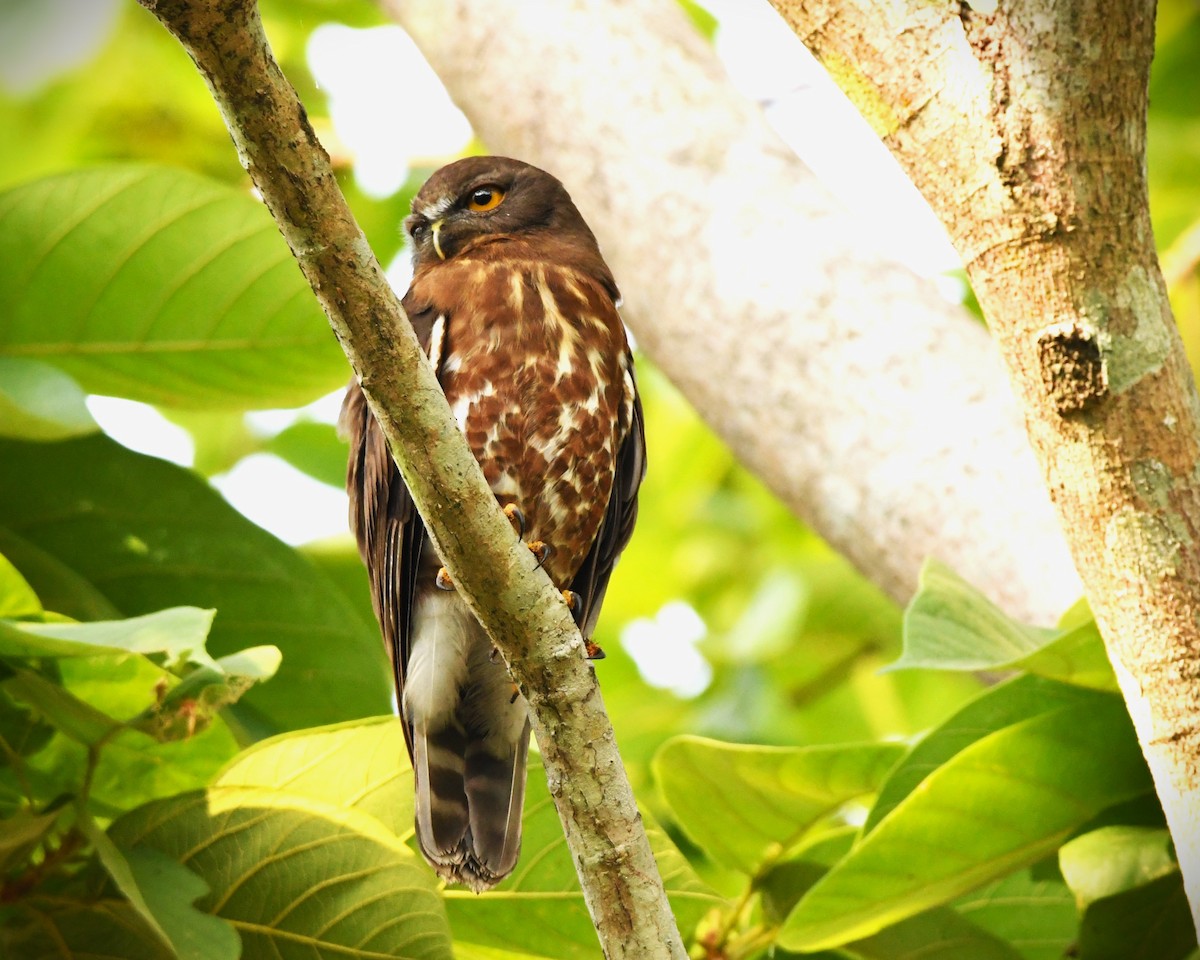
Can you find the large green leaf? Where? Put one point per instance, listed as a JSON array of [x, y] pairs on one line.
[[744, 804], [17, 598], [1006, 800], [1000, 706], [1149, 922], [1031, 909], [160, 285], [178, 542], [1111, 860], [58, 928], [359, 765], [296, 877], [938, 934], [40, 402], [162, 892], [179, 633], [949, 625]]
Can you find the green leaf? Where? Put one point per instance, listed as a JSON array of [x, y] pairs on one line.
[[313, 448], [20, 834], [475, 951], [540, 909], [17, 598], [40, 402], [746, 804], [949, 625], [1001, 706], [59, 929], [1076, 656], [162, 892], [1114, 859], [291, 874], [178, 542], [939, 934], [52, 703], [1031, 909], [358, 765], [1150, 922], [1006, 800], [160, 285], [179, 633]]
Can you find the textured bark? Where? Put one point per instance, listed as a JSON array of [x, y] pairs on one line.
[[873, 408], [1023, 124], [514, 600]]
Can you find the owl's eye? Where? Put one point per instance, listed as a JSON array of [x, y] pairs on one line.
[[485, 198]]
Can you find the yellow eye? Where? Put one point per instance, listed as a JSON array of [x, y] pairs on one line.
[[485, 198]]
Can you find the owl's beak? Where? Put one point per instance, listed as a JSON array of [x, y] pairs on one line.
[[435, 228]]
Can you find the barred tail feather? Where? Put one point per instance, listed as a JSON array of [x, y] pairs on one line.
[[468, 805], [495, 799]]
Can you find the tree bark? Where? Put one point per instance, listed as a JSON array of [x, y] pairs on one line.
[[878, 412], [512, 597], [1024, 124]]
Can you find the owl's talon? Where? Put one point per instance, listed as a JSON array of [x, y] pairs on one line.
[[594, 650], [442, 581], [516, 518], [575, 603], [541, 550]]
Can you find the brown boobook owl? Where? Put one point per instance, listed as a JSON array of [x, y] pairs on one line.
[[516, 309]]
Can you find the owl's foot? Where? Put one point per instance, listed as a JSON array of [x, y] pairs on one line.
[[442, 581]]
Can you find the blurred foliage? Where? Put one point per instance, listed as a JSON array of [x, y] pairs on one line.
[[804, 801]]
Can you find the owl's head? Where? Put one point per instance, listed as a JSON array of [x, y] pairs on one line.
[[481, 200]]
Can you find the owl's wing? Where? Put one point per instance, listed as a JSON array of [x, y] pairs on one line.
[[385, 522], [616, 528]]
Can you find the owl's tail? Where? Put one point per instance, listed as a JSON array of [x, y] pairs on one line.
[[470, 792]]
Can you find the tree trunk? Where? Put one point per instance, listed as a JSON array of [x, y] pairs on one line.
[[1023, 124], [878, 412]]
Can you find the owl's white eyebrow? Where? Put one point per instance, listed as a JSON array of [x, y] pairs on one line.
[[435, 211]]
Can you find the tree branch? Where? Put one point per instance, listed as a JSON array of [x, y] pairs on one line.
[[514, 600], [878, 412], [1024, 125]]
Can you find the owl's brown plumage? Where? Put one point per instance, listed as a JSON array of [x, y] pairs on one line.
[[517, 311]]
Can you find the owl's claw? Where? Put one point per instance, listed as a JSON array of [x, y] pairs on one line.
[[574, 602], [516, 518], [541, 550], [442, 581]]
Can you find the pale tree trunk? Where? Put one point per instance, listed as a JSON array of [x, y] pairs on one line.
[[512, 597], [1023, 124], [878, 412]]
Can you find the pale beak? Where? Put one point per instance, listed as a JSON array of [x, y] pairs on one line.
[[435, 227]]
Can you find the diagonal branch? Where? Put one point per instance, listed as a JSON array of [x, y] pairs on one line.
[[515, 601], [1024, 124]]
